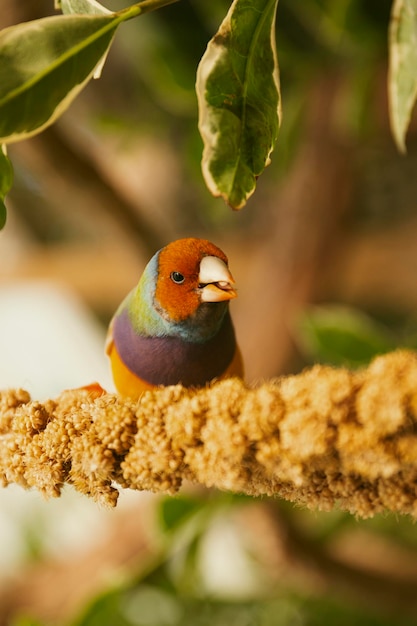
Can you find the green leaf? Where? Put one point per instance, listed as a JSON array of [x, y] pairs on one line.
[[342, 336], [43, 66], [3, 214], [239, 100], [86, 7], [6, 181], [402, 75], [79, 7]]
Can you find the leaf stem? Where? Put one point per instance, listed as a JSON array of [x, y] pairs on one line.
[[143, 7]]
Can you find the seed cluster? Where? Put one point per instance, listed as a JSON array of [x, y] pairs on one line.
[[322, 438]]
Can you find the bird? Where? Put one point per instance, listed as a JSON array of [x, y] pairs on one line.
[[175, 326]]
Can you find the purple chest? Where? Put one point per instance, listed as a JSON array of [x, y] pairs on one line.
[[172, 360]]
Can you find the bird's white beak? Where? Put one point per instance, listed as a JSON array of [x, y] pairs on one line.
[[215, 280]]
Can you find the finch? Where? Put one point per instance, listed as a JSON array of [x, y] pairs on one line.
[[175, 325]]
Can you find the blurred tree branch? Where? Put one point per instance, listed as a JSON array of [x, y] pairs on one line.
[[51, 148]]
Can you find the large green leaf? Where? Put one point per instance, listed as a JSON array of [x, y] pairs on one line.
[[402, 76], [239, 100], [6, 181], [43, 66], [45, 63]]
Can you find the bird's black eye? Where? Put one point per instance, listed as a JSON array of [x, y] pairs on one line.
[[177, 277]]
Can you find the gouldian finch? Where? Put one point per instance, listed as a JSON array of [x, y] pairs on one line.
[[175, 325]]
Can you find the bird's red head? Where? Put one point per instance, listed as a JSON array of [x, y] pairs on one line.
[[184, 282]]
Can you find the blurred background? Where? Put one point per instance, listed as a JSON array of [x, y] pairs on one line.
[[325, 259]]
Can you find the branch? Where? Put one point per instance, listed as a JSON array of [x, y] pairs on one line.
[[324, 437]]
